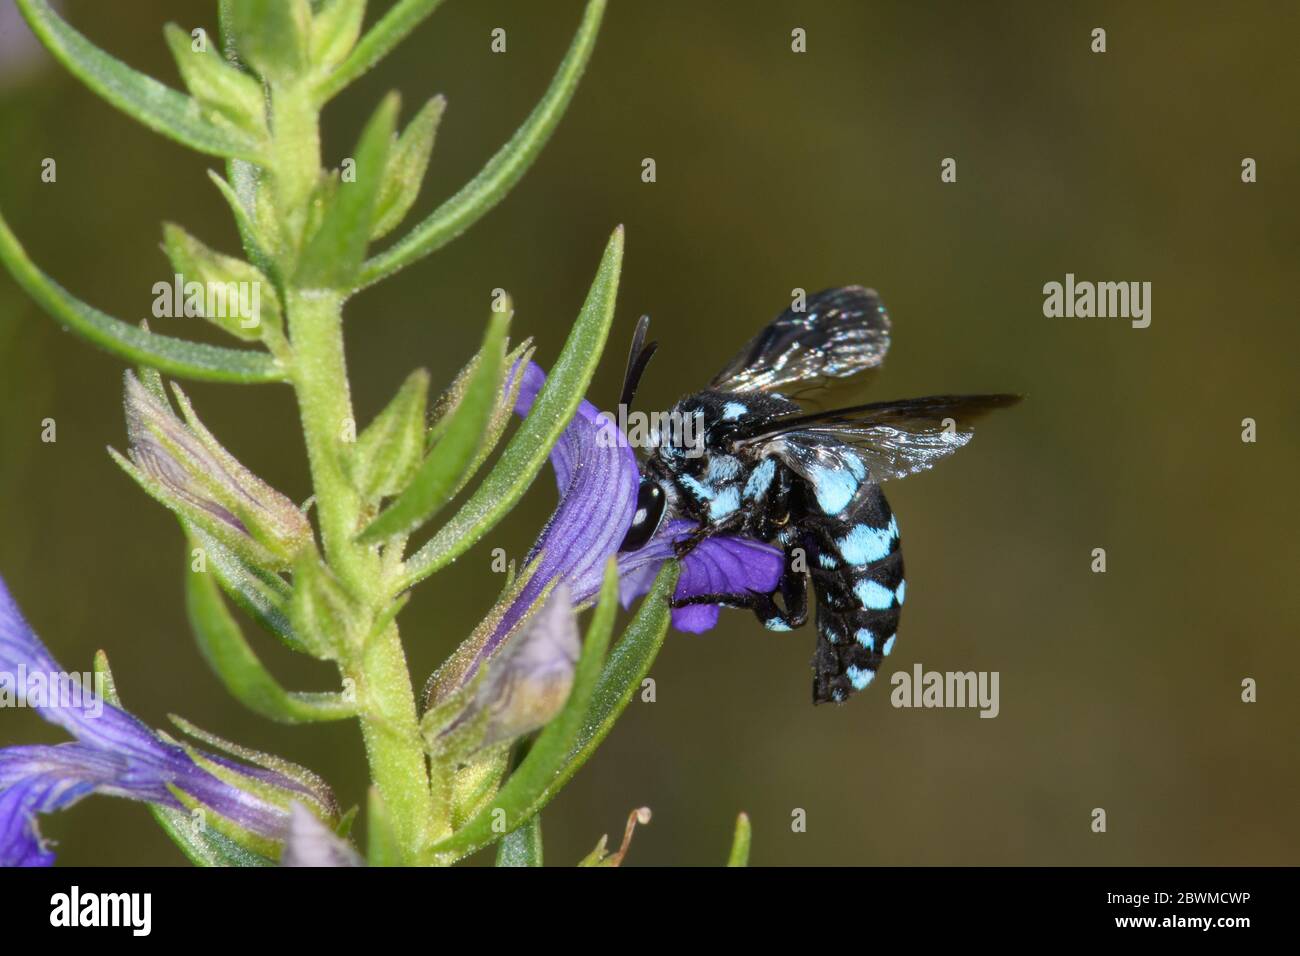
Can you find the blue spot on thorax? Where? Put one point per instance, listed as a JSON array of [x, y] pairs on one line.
[[721, 467], [760, 479], [724, 503], [696, 487], [733, 410]]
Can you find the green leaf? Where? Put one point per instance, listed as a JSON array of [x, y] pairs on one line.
[[334, 31], [530, 787], [250, 236], [203, 845], [627, 666], [407, 163], [333, 255], [218, 84], [739, 855], [271, 36], [144, 99], [226, 650], [501, 415], [171, 355], [522, 847], [551, 413], [234, 280], [392, 28], [503, 170], [261, 595], [382, 847], [323, 616], [433, 484], [387, 454]]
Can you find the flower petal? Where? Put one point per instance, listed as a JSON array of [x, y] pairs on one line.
[[598, 478]]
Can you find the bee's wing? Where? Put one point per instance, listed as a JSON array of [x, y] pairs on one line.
[[891, 439], [840, 332]]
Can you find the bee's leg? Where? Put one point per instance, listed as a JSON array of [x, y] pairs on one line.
[[794, 595]]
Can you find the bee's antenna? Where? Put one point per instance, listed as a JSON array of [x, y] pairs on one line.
[[638, 358]]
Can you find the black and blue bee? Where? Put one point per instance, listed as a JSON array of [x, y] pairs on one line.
[[808, 481]]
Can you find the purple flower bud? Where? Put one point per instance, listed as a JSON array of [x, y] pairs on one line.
[[181, 464], [310, 842], [529, 678]]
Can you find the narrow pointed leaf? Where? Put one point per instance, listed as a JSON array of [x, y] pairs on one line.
[[236, 279], [144, 99], [403, 17], [382, 848], [333, 255], [175, 356], [250, 236], [551, 413], [522, 847], [226, 650], [263, 596], [501, 415], [218, 84], [387, 454], [529, 788], [503, 170], [441, 470], [271, 36], [321, 612], [739, 855], [407, 162], [334, 31], [625, 668]]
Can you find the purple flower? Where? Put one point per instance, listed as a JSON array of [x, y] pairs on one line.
[[597, 474], [114, 754]]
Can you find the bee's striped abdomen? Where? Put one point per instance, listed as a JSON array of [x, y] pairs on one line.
[[857, 570]]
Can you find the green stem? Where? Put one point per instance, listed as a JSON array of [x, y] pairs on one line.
[[320, 379], [390, 727], [384, 694]]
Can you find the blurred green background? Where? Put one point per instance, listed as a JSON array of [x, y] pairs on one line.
[[775, 170]]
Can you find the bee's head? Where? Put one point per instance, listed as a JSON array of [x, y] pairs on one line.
[[695, 427]]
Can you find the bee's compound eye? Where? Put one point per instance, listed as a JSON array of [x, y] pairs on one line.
[[650, 502]]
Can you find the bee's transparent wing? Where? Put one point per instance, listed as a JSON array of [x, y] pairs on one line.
[[840, 332], [888, 439]]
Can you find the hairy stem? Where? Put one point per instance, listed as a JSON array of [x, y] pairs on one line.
[[385, 696]]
